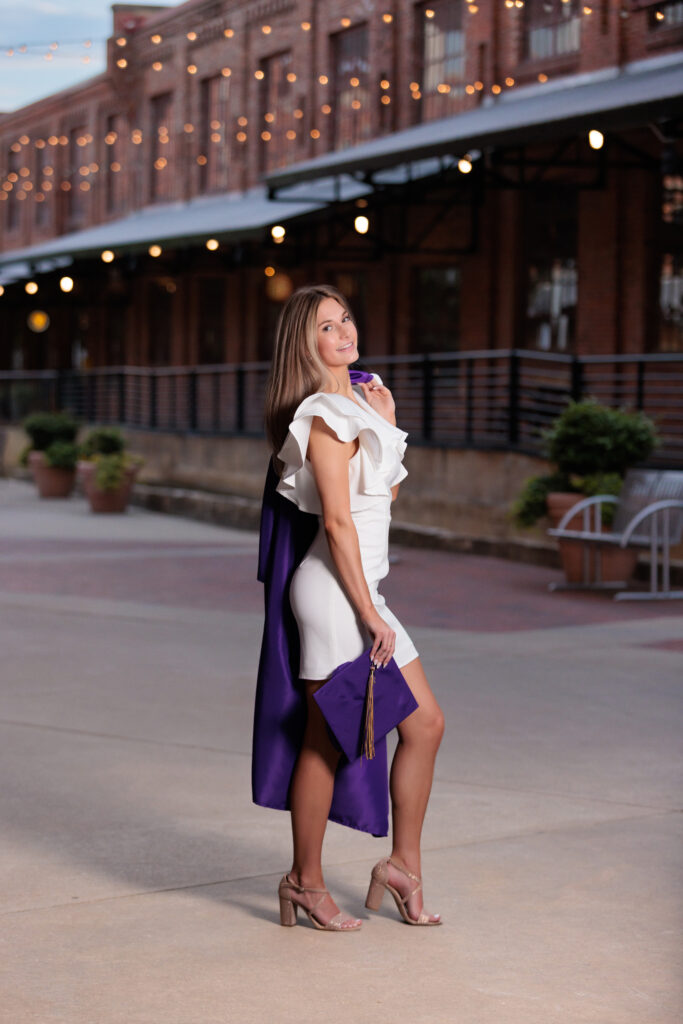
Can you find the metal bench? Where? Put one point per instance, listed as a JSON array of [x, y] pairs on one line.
[[648, 514]]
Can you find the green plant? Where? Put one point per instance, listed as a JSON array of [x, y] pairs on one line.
[[589, 438], [61, 455], [44, 428], [110, 470], [592, 446], [102, 441]]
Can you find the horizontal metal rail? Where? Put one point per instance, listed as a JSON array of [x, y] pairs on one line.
[[501, 399]]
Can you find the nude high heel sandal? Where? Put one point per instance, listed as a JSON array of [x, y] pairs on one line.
[[379, 881], [288, 892]]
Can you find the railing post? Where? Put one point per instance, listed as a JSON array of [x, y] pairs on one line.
[[577, 379], [239, 399], [640, 385], [216, 378], [60, 389], [152, 400], [427, 398], [121, 380], [513, 399], [192, 400], [469, 401]]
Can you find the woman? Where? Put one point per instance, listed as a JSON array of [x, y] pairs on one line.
[[338, 456]]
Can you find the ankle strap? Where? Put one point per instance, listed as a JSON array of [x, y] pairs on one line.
[[404, 871], [301, 888]]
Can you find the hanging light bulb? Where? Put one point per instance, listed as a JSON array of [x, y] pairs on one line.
[[361, 224], [278, 233], [66, 284], [596, 139]]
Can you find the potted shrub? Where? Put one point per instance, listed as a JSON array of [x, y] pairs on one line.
[[107, 470], [592, 447], [52, 452]]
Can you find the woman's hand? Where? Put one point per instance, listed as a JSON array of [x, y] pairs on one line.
[[381, 400], [383, 639]]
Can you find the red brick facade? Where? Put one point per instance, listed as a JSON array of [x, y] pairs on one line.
[[184, 109]]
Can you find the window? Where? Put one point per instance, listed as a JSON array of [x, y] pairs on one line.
[[441, 59], [115, 141], [211, 342], [665, 15], [552, 276], [161, 166], [159, 322], [278, 125], [351, 109], [552, 28], [13, 166], [436, 306], [671, 275], [213, 146], [76, 175], [44, 184]]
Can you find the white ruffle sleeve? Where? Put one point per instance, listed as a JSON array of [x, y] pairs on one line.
[[379, 456]]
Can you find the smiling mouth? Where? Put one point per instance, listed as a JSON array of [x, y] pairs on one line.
[[343, 347]]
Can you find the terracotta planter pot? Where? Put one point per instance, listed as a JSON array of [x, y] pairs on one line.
[[616, 564], [106, 501], [51, 481]]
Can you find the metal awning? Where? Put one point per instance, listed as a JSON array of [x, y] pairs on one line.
[[227, 217], [609, 99]]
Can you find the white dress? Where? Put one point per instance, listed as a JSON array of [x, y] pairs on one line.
[[330, 630]]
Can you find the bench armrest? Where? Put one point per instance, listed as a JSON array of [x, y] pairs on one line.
[[582, 506], [645, 513]]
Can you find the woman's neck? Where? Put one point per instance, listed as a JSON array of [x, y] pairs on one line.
[[339, 381]]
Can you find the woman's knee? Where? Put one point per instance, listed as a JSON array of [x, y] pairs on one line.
[[425, 726]]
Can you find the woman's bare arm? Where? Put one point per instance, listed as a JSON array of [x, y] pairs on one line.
[[329, 458]]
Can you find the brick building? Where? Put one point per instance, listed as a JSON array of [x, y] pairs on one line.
[[459, 129]]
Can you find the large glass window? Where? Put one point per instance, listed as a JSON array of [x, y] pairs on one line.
[[161, 169], [550, 231], [351, 109], [671, 275], [441, 57], [436, 309], [278, 125], [115, 142], [211, 341], [666, 14], [552, 28], [213, 137]]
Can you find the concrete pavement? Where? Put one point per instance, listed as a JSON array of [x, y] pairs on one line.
[[139, 881]]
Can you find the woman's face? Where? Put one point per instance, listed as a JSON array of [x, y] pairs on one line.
[[337, 335]]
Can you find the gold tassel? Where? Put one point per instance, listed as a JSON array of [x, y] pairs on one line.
[[369, 742]]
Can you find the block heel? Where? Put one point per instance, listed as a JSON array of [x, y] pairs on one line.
[[375, 895], [287, 912]]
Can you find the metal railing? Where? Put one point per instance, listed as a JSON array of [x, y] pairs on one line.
[[499, 399]]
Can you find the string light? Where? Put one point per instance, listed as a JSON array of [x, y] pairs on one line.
[[154, 251], [66, 284], [212, 244], [596, 139], [278, 233], [30, 287], [361, 224]]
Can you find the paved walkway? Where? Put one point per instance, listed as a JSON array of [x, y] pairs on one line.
[[138, 880]]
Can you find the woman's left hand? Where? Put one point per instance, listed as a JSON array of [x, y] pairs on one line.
[[381, 400]]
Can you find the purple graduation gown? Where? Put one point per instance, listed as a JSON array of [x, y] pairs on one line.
[[361, 788]]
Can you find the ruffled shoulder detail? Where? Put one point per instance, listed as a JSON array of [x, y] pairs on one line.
[[379, 456]]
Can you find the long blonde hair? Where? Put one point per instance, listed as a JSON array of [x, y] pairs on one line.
[[297, 370]]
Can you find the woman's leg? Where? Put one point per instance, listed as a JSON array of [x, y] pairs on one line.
[[412, 771], [310, 802]]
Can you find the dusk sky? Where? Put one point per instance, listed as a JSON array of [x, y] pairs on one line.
[[25, 77]]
